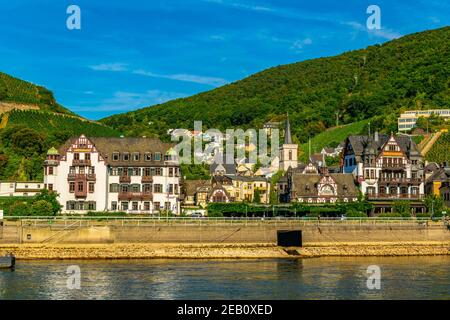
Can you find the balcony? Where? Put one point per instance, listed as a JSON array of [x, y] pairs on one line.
[[81, 176], [397, 196], [124, 179], [147, 179], [51, 162], [81, 194], [138, 196], [393, 166], [79, 162], [400, 181]]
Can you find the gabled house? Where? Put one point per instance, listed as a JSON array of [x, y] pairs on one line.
[[316, 185], [434, 183], [386, 168]]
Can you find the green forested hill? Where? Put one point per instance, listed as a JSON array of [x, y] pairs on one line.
[[14, 90], [376, 82]]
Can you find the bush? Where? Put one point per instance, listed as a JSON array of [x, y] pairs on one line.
[[42, 208], [355, 214], [215, 214], [51, 198], [423, 215], [19, 209], [390, 215], [313, 214], [106, 214], [403, 208]]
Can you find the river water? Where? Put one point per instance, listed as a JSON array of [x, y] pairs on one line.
[[316, 278]]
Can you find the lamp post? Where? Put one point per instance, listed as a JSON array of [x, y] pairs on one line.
[[432, 209]]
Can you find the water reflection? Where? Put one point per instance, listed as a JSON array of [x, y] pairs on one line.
[[319, 278]]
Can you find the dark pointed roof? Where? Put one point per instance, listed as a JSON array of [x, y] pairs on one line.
[[287, 132], [360, 143], [305, 185]]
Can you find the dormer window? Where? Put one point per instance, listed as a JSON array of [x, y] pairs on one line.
[[136, 156], [115, 156], [126, 157], [148, 156]]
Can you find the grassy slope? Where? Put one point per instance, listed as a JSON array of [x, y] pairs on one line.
[[332, 137], [440, 152]]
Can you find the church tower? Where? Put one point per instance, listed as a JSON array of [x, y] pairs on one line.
[[289, 150]]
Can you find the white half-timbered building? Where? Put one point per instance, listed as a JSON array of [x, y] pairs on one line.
[[134, 175]]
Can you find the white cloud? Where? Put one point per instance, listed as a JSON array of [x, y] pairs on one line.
[[240, 5], [115, 67], [296, 45], [118, 67], [212, 81], [381, 33], [299, 44], [125, 101]]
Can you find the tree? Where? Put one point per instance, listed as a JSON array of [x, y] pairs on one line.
[[257, 196], [434, 204], [50, 197], [402, 207], [42, 208], [19, 209], [3, 162]]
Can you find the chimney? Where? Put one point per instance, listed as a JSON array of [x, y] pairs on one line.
[[376, 138]]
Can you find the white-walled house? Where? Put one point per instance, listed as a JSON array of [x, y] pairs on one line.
[[20, 189], [135, 175]]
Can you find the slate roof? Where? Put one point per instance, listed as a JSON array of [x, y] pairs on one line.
[[192, 186], [305, 185], [359, 143], [107, 146], [443, 174], [230, 169], [287, 132], [431, 167]]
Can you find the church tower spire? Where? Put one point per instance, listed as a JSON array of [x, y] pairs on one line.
[[287, 131], [289, 150]]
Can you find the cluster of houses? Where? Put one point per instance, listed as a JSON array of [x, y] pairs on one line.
[[142, 175]]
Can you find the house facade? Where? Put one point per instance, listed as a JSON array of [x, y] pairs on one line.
[[437, 184], [386, 168], [134, 175], [20, 189], [314, 184]]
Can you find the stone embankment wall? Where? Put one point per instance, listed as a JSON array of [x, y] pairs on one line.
[[180, 233]]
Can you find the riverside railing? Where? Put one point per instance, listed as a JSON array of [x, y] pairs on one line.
[[219, 221]]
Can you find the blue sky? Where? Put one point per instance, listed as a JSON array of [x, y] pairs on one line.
[[132, 54]]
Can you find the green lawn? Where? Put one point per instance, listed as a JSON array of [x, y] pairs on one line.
[[331, 137]]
